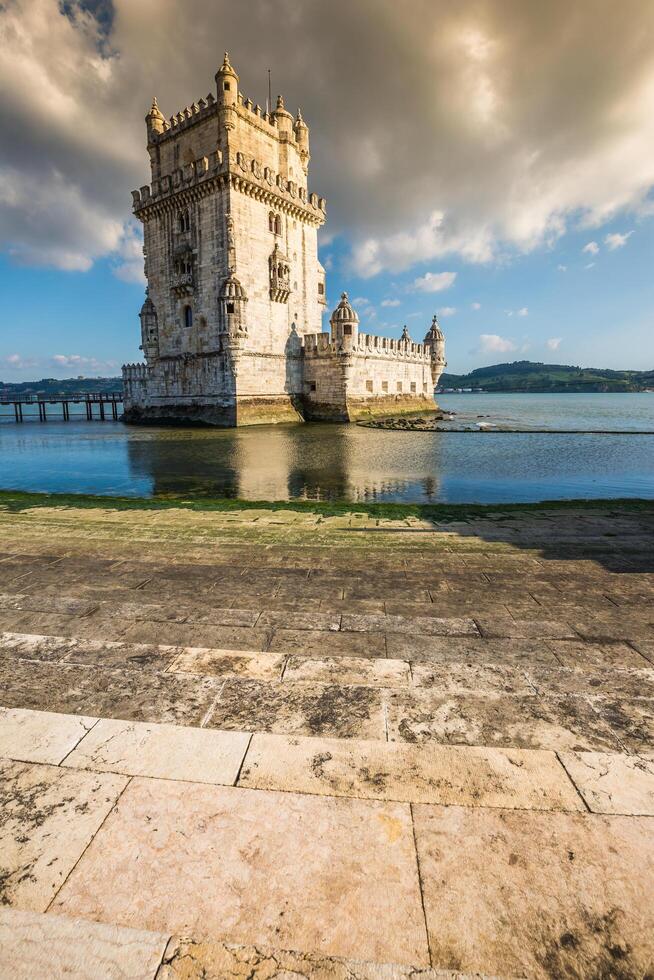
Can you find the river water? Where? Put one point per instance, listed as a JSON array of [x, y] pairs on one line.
[[352, 462]]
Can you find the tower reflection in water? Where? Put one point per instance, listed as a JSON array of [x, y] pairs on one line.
[[281, 462]]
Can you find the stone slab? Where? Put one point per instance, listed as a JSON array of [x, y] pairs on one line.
[[505, 626], [470, 678], [612, 783], [330, 876], [424, 625], [40, 736], [49, 815], [507, 652], [34, 945], [617, 682], [501, 720], [408, 773], [300, 709], [112, 692], [537, 894], [35, 646], [631, 720], [162, 751], [190, 635], [299, 620], [186, 959], [323, 643], [376, 672], [596, 656], [228, 663]]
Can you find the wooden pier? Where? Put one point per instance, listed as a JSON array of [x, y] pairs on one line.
[[99, 406]]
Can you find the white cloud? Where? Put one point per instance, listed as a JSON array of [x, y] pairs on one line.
[[16, 362], [475, 306], [591, 265], [592, 248], [616, 240], [492, 343], [129, 263], [523, 311], [434, 282], [361, 301], [553, 343], [390, 302], [79, 362], [561, 268], [447, 311]]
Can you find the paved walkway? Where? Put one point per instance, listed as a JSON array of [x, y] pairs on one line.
[[272, 744]]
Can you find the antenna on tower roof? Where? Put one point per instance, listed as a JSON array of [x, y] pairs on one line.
[[269, 104]]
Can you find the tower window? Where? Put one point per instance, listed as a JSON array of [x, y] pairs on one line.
[[184, 221], [188, 316], [384, 385], [399, 387], [230, 307], [278, 225], [271, 222], [347, 330], [321, 289], [368, 385], [226, 86]]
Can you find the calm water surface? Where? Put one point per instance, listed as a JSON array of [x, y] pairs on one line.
[[351, 462]]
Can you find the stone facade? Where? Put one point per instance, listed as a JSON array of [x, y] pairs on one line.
[[231, 324]]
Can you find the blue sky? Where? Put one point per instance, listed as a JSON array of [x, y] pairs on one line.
[[488, 162]]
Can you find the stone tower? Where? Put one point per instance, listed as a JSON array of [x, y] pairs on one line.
[[231, 260]]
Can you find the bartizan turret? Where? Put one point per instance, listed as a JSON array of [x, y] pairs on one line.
[[155, 121], [302, 139], [226, 93], [344, 323], [149, 329], [435, 343]]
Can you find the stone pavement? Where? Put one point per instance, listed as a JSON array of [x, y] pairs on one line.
[[276, 744]]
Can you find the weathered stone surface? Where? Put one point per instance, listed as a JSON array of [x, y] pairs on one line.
[[376, 672], [300, 709], [423, 625], [414, 774], [113, 692], [529, 722], [40, 736], [470, 678], [595, 656], [162, 751], [319, 643], [35, 646], [333, 876], [618, 682], [191, 635], [508, 652], [68, 605], [186, 959], [631, 721], [55, 946], [299, 620], [506, 626], [49, 815], [537, 894], [228, 663], [611, 783]]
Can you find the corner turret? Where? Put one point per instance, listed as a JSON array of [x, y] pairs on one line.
[[302, 139], [344, 324], [155, 120], [435, 342], [283, 119], [149, 328]]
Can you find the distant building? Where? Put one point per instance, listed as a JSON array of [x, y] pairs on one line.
[[231, 324]]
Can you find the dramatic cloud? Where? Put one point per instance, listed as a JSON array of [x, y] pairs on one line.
[[434, 282], [591, 249], [553, 343], [492, 343], [616, 240], [469, 129]]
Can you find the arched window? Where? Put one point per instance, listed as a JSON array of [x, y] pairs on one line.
[[188, 316], [271, 222], [278, 225], [184, 221]]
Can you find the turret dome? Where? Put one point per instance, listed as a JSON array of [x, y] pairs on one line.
[[344, 312], [232, 289], [434, 332]]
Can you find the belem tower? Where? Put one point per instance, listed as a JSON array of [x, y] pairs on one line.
[[231, 326]]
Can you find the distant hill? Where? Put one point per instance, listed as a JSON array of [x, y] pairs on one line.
[[58, 386], [537, 377]]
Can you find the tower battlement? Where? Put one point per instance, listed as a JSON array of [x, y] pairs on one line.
[[231, 324]]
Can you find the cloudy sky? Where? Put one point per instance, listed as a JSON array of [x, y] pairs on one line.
[[490, 160]]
